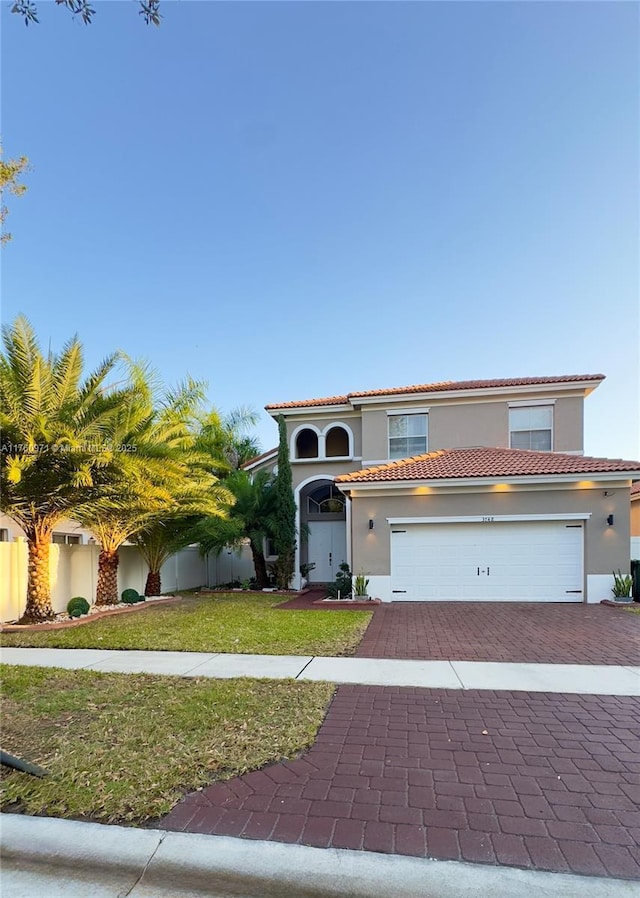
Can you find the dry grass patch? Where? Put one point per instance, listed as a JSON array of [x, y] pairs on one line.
[[123, 747]]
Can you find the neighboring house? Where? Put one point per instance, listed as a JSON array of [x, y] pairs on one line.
[[472, 490], [67, 532], [635, 520]]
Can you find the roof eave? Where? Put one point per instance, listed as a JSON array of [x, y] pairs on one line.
[[584, 386], [494, 480], [276, 411]]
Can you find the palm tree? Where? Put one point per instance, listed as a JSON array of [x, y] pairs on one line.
[[165, 475], [226, 438], [56, 457], [251, 518], [159, 540]]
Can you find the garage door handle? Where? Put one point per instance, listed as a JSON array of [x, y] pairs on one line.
[[399, 590], [478, 572], [488, 571]]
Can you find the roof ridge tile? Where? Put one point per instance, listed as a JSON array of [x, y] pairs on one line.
[[439, 386]]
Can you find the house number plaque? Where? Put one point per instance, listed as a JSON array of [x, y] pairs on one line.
[[488, 519]]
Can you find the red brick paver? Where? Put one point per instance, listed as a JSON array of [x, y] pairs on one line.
[[496, 631], [532, 780]]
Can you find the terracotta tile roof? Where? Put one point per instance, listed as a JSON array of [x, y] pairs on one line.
[[441, 387], [635, 490], [308, 403], [460, 463], [257, 458]]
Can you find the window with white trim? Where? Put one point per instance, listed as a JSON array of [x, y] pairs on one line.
[[337, 442], [307, 444], [530, 427], [408, 435]]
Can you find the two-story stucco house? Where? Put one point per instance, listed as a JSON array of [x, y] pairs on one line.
[[472, 490]]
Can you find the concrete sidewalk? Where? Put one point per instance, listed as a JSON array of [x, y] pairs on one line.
[[73, 859], [580, 679]]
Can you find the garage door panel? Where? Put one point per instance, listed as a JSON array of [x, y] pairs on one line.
[[501, 561]]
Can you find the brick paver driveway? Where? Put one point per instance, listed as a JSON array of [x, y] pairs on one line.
[[495, 631], [530, 780]]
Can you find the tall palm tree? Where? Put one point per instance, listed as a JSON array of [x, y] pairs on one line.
[[166, 475], [251, 518], [220, 444], [56, 456]]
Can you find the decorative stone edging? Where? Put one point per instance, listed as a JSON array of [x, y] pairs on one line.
[[85, 619]]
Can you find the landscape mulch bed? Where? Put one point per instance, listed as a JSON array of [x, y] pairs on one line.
[[315, 600]]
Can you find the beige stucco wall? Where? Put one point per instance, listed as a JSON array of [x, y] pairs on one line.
[[374, 434], [472, 424], [455, 425], [606, 549], [568, 424], [635, 517], [323, 469]]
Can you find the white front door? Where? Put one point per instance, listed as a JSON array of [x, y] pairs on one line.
[[327, 549], [532, 561]]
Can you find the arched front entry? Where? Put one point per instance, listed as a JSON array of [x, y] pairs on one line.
[[323, 511]]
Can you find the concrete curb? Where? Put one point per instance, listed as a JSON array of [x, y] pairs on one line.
[[68, 858]]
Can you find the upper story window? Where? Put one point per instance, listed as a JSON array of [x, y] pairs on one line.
[[408, 435], [531, 427], [307, 444], [337, 443], [310, 443], [4, 535]]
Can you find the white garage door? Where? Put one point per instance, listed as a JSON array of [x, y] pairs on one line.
[[523, 561]]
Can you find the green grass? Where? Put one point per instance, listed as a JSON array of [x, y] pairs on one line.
[[122, 747], [635, 610], [218, 622]]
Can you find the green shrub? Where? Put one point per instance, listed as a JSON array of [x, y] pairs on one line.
[[131, 597], [361, 584], [621, 588], [77, 606], [341, 586]]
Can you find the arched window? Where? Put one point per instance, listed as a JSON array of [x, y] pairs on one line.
[[326, 499], [307, 444], [337, 443]]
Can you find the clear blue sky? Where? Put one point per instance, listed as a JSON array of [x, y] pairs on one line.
[[300, 199]]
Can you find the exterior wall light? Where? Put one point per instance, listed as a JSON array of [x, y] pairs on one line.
[[610, 520], [372, 523]]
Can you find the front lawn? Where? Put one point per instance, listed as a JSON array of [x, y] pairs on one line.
[[122, 747], [248, 624]]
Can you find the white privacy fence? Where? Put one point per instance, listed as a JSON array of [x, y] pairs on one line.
[[73, 571]]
